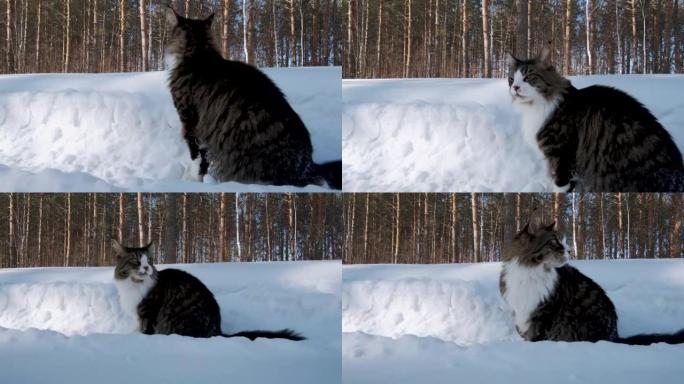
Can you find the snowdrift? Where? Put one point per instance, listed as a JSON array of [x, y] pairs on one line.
[[446, 323], [120, 131], [66, 325], [445, 135]]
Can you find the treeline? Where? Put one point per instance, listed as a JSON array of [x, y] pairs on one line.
[[75, 229], [470, 38], [130, 35], [456, 228]]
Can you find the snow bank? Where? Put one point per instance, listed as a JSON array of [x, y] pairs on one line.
[[68, 319], [442, 323], [445, 135], [110, 132]]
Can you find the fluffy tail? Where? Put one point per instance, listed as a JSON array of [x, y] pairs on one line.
[[648, 339], [282, 334], [331, 172]]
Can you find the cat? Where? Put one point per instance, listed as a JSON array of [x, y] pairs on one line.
[[552, 300], [236, 122], [595, 139], [172, 301]]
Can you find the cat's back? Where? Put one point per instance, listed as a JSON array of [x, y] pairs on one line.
[[608, 101], [177, 277], [578, 289], [579, 310], [178, 285]]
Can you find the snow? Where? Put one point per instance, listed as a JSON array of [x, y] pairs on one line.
[[447, 323], [446, 135], [66, 325], [120, 131]]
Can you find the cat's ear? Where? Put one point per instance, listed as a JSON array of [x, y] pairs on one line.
[[171, 16], [149, 249], [511, 60], [544, 57], [118, 248], [535, 224], [210, 19], [553, 226], [524, 231]]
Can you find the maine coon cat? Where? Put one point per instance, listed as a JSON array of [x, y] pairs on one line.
[[552, 300], [595, 139], [172, 301], [236, 122]]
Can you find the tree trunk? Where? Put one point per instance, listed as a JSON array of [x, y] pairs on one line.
[[222, 227], [293, 44], [464, 42], [485, 39], [566, 37], [521, 48], [67, 251], [476, 233], [268, 228], [589, 36], [237, 227], [38, 24], [40, 231], [121, 216], [67, 35], [397, 211], [621, 233], [245, 27], [676, 227], [407, 64], [122, 29], [143, 35], [225, 30], [141, 231], [184, 229]]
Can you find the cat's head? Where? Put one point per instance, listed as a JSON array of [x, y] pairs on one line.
[[188, 35], [134, 263], [537, 245], [533, 81]]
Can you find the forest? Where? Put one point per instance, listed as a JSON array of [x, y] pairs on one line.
[[459, 227], [130, 35], [75, 229], [470, 38]]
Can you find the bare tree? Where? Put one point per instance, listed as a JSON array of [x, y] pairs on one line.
[[143, 35], [485, 39]]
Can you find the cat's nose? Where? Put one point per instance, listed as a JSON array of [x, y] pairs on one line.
[[516, 88]]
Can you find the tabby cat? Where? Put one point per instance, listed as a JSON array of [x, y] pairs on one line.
[[172, 301], [236, 122], [595, 139], [552, 300]]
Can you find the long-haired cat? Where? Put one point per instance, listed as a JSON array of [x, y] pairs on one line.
[[236, 122], [172, 301], [595, 139], [552, 300]]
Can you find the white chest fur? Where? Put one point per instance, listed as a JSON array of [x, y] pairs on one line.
[[533, 118], [131, 293], [526, 288], [534, 107]]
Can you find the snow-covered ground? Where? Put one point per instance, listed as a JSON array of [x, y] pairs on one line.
[[65, 325], [447, 324], [120, 131], [445, 135]]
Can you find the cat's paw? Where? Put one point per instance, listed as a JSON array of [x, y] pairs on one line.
[[192, 172], [208, 179], [562, 188]]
